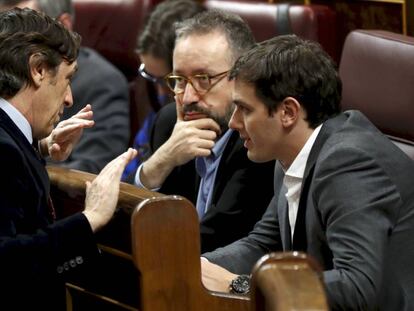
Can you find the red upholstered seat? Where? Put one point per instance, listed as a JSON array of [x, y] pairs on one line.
[[312, 22], [377, 70], [111, 27]]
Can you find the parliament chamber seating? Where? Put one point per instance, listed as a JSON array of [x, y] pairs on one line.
[[165, 247], [377, 71], [150, 259], [311, 22], [288, 281], [112, 27]]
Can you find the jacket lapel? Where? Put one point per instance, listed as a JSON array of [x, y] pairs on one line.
[[34, 162], [282, 208], [329, 126]]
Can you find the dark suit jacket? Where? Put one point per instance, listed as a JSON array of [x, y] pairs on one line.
[[35, 253], [99, 83], [356, 217], [241, 191]]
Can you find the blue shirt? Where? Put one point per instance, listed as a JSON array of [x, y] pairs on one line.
[[206, 168], [141, 144]]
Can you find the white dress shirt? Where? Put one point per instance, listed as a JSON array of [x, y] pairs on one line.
[[294, 177], [18, 119]]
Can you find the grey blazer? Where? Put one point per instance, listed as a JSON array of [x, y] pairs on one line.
[[355, 217]]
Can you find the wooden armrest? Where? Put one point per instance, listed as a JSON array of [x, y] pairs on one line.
[[115, 278], [72, 185], [288, 281], [166, 251]]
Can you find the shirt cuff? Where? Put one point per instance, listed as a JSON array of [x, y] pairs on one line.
[[138, 182]]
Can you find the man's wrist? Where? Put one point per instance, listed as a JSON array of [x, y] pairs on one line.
[[240, 285], [95, 225], [155, 170]]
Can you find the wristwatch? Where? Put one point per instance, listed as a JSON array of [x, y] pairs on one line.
[[240, 285]]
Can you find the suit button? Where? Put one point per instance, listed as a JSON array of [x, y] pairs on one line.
[[72, 263], [66, 266], [59, 269], [79, 260]]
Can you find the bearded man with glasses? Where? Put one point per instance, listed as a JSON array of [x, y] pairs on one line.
[[195, 155], [155, 47]]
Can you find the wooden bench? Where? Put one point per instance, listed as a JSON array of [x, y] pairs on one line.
[[166, 252], [114, 284], [151, 258], [288, 281]]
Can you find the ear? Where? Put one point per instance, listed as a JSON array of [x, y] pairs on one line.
[[38, 69], [66, 20], [290, 110]]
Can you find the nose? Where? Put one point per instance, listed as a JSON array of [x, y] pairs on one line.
[[68, 101], [190, 95], [235, 122]]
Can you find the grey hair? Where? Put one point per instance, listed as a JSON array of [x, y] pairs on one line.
[[237, 32]]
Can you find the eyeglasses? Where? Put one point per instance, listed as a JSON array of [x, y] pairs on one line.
[[202, 83], [149, 77]]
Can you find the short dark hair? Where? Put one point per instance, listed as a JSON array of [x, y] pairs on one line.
[[237, 32], [290, 66], [24, 32], [158, 36]]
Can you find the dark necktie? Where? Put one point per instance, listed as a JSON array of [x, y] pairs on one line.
[[50, 206]]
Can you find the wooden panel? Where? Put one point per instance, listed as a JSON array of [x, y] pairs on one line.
[[114, 278], [154, 264], [166, 251], [288, 281]]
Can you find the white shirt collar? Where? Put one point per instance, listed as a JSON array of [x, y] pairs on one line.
[[17, 117], [297, 168], [294, 177]]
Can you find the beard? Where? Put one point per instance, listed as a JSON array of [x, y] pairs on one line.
[[221, 119]]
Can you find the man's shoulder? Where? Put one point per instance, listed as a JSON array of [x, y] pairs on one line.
[[163, 125], [353, 128], [353, 137], [167, 116], [9, 132], [168, 111]]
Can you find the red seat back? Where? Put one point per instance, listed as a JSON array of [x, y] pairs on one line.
[[311, 22], [111, 27], [377, 71]]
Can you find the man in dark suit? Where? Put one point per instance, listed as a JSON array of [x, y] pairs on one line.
[[37, 254], [196, 155], [343, 191], [100, 84]]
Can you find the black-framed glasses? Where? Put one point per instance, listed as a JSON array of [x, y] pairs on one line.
[[202, 83], [149, 77]]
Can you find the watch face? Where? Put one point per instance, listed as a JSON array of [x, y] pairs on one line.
[[240, 285]]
